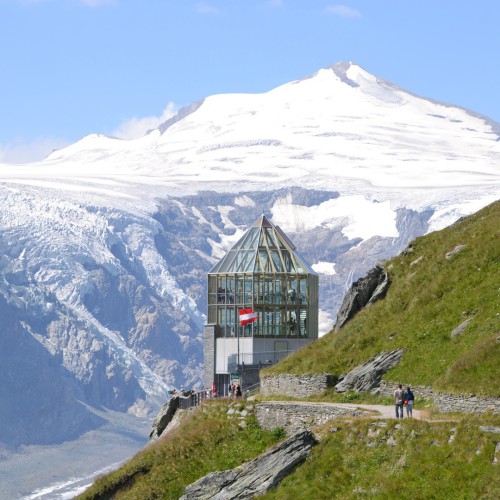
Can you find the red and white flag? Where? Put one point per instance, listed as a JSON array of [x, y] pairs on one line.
[[247, 316]]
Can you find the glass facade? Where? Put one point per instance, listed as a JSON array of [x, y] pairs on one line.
[[264, 272]]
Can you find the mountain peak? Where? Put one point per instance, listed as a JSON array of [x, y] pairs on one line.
[[346, 71]]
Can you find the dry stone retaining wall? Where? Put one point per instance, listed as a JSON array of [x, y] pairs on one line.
[[387, 389], [466, 404], [302, 386], [294, 417], [295, 386]]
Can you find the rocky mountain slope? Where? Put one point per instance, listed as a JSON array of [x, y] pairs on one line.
[[105, 245]]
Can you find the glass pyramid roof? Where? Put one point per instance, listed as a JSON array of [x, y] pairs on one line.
[[264, 248]]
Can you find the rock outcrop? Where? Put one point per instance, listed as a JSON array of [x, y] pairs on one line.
[[363, 293], [164, 417], [367, 376], [456, 250], [460, 328], [255, 477]]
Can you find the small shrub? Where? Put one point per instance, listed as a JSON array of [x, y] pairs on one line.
[[423, 403], [350, 396], [252, 422], [278, 433]]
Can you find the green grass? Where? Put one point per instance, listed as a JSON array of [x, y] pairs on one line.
[[356, 462], [429, 296], [208, 441], [353, 459]]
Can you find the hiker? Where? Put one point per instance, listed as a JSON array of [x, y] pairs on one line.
[[409, 399], [238, 391], [398, 401]]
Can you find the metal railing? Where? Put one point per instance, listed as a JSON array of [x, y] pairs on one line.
[[252, 389], [194, 399], [254, 359], [197, 398]]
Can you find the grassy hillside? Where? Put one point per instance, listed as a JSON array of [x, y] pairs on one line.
[[361, 457], [450, 457], [209, 440], [430, 295], [383, 460]]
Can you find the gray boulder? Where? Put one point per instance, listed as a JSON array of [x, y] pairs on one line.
[[367, 376], [255, 477], [490, 428], [456, 250], [164, 417], [363, 293], [460, 328]]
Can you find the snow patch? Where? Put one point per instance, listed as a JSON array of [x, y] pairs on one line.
[[244, 201], [224, 212], [326, 268], [450, 213], [202, 220], [357, 216], [227, 241], [325, 322]]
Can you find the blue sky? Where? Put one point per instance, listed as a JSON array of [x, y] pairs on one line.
[[69, 68]]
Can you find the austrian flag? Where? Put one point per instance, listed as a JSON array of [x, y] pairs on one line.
[[247, 316]]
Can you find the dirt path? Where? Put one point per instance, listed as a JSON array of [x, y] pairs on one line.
[[385, 411]]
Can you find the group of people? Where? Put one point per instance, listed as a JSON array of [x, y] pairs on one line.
[[235, 391], [402, 398]]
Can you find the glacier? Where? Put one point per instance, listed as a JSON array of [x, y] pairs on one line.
[[105, 244]]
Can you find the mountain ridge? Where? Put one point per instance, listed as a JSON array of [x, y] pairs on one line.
[[111, 239]]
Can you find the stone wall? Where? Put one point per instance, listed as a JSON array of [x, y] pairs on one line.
[[448, 403], [295, 416], [296, 386], [302, 386], [466, 404], [387, 389]]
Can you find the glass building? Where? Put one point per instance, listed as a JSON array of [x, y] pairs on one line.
[[263, 273]]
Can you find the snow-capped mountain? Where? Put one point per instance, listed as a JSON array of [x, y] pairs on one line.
[[105, 245]]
